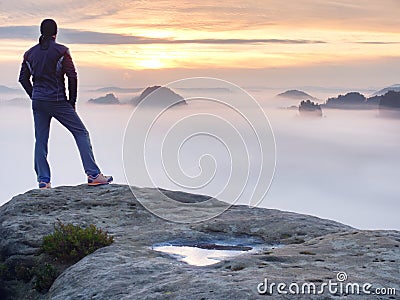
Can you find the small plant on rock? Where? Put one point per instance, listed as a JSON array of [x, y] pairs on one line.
[[45, 276], [70, 243]]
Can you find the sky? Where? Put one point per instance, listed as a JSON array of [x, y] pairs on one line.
[[252, 43]]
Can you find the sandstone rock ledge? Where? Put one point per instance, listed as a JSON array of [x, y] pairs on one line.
[[315, 249]]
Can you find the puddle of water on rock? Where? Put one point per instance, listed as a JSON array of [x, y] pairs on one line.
[[205, 254]]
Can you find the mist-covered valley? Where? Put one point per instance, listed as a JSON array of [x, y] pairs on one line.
[[344, 166]]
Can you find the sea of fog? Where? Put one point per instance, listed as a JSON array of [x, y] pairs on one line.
[[344, 166]]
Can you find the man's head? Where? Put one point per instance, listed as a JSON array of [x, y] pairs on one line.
[[48, 27]]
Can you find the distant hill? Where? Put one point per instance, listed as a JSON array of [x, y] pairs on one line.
[[310, 109], [157, 95], [355, 100], [395, 88], [107, 99], [352, 100], [7, 90], [296, 95], [389, 105], [114, 89], [349, 100]]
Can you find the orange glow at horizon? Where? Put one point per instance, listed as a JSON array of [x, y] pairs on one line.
[[349, 31], [338, 46]]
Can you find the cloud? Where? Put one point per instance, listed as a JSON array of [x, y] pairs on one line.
[[209, 15], [91, 37], [19, 32]]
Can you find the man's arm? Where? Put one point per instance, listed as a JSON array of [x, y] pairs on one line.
[[25, 77], [70, 71]]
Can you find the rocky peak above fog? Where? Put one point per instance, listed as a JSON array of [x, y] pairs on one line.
[[313, 249]]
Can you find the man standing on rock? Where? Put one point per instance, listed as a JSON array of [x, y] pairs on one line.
[[47, 63]]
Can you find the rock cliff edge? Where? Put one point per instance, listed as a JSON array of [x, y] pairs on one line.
[[313, 249]]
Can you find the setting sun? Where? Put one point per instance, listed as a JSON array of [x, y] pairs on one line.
[[150, 64]]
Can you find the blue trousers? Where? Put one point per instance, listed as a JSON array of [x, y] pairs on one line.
[[62, 111]]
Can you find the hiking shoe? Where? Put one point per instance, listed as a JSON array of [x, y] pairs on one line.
[[100, 179], [44, 185]]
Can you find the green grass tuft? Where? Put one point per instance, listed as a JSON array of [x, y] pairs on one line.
[[45, 276], [70, 243]]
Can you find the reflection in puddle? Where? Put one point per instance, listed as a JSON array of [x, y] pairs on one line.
[[206, 254], [198, 256]]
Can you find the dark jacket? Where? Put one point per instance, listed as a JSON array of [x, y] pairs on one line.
[[47, 63]]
